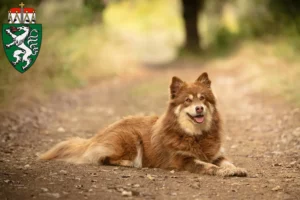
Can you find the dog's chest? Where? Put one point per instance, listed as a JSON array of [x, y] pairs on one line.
[[203, 148]]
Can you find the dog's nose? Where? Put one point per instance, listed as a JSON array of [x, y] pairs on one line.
[[199, 109]]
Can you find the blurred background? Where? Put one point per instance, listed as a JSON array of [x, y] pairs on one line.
[[87, 41], [102, 60]]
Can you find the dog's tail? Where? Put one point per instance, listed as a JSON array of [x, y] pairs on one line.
[[71, 151]]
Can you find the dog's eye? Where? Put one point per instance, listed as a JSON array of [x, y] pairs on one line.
[[188, 100], [202, 97]]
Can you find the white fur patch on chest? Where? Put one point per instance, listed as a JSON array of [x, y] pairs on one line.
[[138, 161]]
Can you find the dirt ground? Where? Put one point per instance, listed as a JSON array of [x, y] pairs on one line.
[[261, 134]]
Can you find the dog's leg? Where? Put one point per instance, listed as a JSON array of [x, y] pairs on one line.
[[197, 166], [125, 163], [137, 162], [227, 168]]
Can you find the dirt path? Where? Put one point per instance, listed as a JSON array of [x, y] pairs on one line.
[[262, 135]]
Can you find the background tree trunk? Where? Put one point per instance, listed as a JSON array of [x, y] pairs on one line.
[[191, 9]]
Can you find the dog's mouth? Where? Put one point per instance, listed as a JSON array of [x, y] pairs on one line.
[[197, 118]]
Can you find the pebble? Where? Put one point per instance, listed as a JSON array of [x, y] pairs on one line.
[[174, 194], [61, 130], [254, 176], [276, 188], [126, 193], [136, 185], [94, 174], [293, 163], [104, 170], [27, 166], [119, 189], [277, 152], [63, 172], [44, 189], [55, 195], [289, 175], [6, 181], [228, 138], [79, 186], [296, 132], [172, 171], [195, 185]]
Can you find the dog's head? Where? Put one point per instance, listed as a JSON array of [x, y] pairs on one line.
[[193, 104]]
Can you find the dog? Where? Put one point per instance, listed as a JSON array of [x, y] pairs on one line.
[[186, 137]]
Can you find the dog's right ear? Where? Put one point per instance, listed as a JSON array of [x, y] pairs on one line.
[[203, 79], [175, 86]]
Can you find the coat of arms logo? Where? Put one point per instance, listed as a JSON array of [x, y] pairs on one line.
[[22, 37]]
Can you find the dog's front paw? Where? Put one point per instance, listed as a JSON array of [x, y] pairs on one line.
[[211, 170], [232, 171]]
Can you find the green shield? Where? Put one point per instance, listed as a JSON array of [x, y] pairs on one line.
[[22, 44]]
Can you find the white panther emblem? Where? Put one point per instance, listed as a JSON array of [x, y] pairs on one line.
[[19, 40]]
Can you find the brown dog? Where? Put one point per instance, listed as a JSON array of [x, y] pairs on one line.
[[186, 137]]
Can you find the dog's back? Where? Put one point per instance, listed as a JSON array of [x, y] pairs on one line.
[[119, 144]]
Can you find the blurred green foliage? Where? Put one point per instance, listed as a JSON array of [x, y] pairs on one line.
[[95, 5], [239, 20], [224, 42], [285, 13]]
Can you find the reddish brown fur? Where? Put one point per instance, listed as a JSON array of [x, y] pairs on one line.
[[162, 141]]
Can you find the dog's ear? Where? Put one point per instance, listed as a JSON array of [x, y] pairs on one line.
[[203, 79], [175, 86]]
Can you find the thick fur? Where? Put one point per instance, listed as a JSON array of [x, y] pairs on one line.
[[175, 140]]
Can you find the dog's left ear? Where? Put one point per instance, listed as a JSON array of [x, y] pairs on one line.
[[203, 79]]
